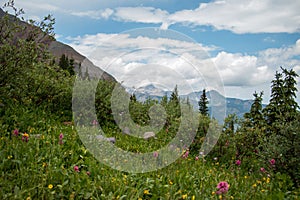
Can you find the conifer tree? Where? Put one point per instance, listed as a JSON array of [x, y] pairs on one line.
[[203, 104]]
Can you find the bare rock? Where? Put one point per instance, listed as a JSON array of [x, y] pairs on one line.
[[148, 135]]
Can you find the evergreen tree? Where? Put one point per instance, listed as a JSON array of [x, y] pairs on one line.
[[203, 104], [71, 67], [290, 105], [133, 98], [255, 117], [64, 62]]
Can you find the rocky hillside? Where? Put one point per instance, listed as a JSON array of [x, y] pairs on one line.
[[57, 49]]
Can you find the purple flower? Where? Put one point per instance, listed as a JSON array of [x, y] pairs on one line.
[[262, 169], [197, 158], [238, 162], [272, 161], [16, 132], [155, 154], [222, 187], [88, 173]]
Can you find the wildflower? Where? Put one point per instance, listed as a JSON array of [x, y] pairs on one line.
[[76, 168], [88, 173], [155, 154], [258, 182], [220, 197], [50, 186], [140, 198], [254, 185], [213, 193], [16, 132], [193, 197], [28, 198], [245, 177], [61, 136], [146, 192], [238, 162], [262, 169], [184, 196], [25, 137], [268, 180], [223, 187], [9, 157], [186, 154], [44, 164], [197, 158], [95, 122], [170, 182], [215, 158], [272, 161]]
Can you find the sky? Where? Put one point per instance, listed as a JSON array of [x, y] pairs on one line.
[[232, 46]]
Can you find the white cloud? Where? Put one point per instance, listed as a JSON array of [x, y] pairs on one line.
[[256, 16], [141, 59], [241, 70], [141, 14], [100, 14]]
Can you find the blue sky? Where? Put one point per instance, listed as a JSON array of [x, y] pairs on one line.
[[247, 41]]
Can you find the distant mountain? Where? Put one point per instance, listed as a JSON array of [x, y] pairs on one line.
[[57, 49], [217, 102]]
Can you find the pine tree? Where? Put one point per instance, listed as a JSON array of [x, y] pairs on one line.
[[255, 117], [203, 104], [71, 67], [289, 92], [64, 62], [273, 112]]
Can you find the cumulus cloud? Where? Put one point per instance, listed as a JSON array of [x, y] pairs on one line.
[[255, 16], [100, 14], [270, 16], [140, 59]]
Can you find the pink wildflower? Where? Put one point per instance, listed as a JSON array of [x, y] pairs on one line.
[[186, 154], [197, 158], [155, 154], [76, 168], [16, 132], [223, 187], [61, 136], [238, 162], [262, 169], [272, 161], [95, 122], [88, 173]]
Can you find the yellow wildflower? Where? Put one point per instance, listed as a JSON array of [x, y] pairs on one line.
[[140, 198], [220, 197], [146, 192], [245, 177], [25, 135], [213, 193], [184, 196], [258, 182], [9, 157], [254, 185], [44, 164], [231, 197], [193, 197], [50, 186], [28, 198], [170, 182], [268, 180], [262, 190]]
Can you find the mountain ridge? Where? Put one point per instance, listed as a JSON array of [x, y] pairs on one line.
[[57, 49]]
